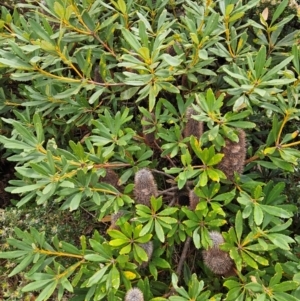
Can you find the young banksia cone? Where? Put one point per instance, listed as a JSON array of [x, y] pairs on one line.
[[144, 187], [134, 294], [148, 247], [147, 125], [234, 156], [216, 260], [192, 127]]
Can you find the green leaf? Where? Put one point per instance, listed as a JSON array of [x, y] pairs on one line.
[[40, 31], [118, 242], [229, 9], [75, 201], [122, 6], [67, 285], [97, 277], [276, 211], [236, 17], [16, 63], [69, 248], [95, 257], [131, 39], [279, 10], [168, 87], [277, 228], [141, 253], [236, 75], [215, 159], [27, 188], [239, 225], [258, 214], [270, 74], [129, 93], [259, 259], [234, 254], [68, 92], [249, 261], [285, 286], [96, 95], [47, 292], [162, 263], [260, 61], [36, 285], [171, 60], [38, 128], [203, 179], [213, 175], [12, 254], [280, 240], [22, 265], [159, 231], [59, 9], [168, 211], [114, 276]]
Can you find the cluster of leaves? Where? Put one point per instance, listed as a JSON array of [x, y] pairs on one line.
[[53, 222], [82, 85]]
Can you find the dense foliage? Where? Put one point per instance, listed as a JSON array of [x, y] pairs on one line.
[[176, 122]]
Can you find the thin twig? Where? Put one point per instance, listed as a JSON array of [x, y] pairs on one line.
[[172, 203], [163, 173], [167, 157], [180, 264], [183, 256], [168, 190], [94, 216]]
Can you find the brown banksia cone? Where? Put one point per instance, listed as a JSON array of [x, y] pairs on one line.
[[144, 187], [148, 247], [194, 200], [111, 178], [192, 127], [234, 156], [217, 260], [134, 294], [149, 137], [97, 76]]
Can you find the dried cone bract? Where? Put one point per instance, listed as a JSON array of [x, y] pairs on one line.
[[216, 260], [194, 200], [114, 219], [234, 156], [192, 127], [144, 187], [134, 294]]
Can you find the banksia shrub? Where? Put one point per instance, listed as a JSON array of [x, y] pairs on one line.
[[216, 260], [145, 95], [148, 247], [234, 156], [134, 294], [192, 127], [144, 187]]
